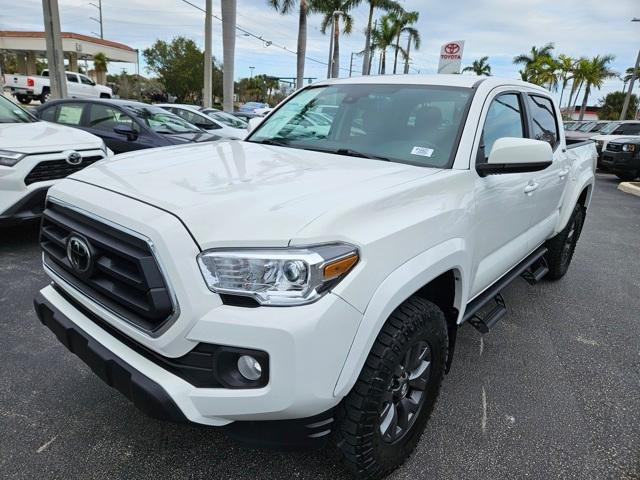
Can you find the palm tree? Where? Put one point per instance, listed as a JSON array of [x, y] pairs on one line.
[[412, 37], [386, 5], [579, 67], [284, 7], [566, 66], [628, 74], [327, 8], [384, 37], [228, 10], [544, 72], [596, 71], [479, 67], [100, 63], [529, 59], [404, 22]]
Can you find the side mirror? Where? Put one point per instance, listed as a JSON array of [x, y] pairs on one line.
[[253, 123], [516, 155], [125, 129]]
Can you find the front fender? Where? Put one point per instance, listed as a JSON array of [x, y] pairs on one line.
[[396, 288]]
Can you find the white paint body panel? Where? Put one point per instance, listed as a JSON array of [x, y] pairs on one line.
[[410, 224]]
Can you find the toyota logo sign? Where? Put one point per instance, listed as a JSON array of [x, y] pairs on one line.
[[452, 48], [73, 158], [79, 254]]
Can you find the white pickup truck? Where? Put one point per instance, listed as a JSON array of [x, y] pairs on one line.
[[32, 87], [305, 284]]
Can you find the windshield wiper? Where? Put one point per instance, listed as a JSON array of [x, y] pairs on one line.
[[277, 143], [355, 153]]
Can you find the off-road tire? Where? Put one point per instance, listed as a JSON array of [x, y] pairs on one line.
[[627, 176], [44, 96], [563, 245], [358, 417]]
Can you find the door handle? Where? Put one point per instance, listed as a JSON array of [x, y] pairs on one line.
[[531, 187], [563, 173]]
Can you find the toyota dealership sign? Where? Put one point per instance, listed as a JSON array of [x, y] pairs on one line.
[[451, 57]]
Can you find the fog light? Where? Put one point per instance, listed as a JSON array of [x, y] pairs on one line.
[[249, 367]]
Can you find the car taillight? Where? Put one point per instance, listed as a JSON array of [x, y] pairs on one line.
[[30, 82]]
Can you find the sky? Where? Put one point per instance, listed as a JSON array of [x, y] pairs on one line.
[[500, 29]]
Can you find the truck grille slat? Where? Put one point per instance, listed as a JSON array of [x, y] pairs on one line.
[[124, 276], [57, 169]]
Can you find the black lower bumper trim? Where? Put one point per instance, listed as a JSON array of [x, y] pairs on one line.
[[145, 394], [28, 208]]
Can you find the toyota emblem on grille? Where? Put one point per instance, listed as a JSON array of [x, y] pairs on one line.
[[79, 254], [73, 158]]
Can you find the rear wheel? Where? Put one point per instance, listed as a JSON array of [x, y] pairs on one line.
[[23, 99], [562, 246], [381, 420], [628, 176], [45, 95]]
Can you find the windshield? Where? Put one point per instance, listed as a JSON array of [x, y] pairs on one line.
[[415, 124], [161, 121], [587, 127], [608, 128], [12, 113], [226, 119]]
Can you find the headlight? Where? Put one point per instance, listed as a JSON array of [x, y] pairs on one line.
[[9, 159], [628, 147], [278, 276]]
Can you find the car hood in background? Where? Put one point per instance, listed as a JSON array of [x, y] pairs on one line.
[[37, 137], [232, 193]]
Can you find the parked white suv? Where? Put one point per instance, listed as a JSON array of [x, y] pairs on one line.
[[33, 156], [307, 284], [32, 87]]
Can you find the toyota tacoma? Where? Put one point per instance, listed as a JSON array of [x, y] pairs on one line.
[[305, 285]]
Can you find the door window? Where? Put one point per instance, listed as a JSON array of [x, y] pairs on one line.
[[86, 81], [72, 78], [194, 118], [504, 119], [543, 120], [49, 114], [70, 113], [104, 117], [628, 129]]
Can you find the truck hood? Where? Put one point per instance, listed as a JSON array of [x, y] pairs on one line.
[[234, 193], [37, 137]]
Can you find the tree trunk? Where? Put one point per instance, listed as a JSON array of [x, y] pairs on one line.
[[395, 58], [228, 8], [366, 60], [336, 48], [406, 62], [383, 61], [302, 44], [564, 85], [584, 101]]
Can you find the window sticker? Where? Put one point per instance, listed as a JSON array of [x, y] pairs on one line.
[[422, 151]]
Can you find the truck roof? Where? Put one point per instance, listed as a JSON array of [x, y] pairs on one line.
[[467, 81]]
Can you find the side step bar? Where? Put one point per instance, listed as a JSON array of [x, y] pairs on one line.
[[532, 268]]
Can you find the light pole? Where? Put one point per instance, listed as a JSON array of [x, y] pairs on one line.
[[99, 19], [207, 94], [251, 68], [627, 98], [336, 15]]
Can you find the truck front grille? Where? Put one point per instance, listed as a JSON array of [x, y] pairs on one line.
[[614, 147], [112, 267], [57, 169]]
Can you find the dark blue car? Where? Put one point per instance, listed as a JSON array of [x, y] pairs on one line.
[[124, 125]]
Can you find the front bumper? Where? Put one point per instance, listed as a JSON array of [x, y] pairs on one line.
[[26, 206], [621, 161]]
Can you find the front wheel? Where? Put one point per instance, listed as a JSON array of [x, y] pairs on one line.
[[381, 420], [562, 246], [44, 96]]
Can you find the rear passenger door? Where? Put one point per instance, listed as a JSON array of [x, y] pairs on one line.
[[74, 89], [552, 181]]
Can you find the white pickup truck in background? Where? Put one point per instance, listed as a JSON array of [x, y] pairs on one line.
[[32, 87], [307, 284]]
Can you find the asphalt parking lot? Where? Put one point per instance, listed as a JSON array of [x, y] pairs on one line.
[[552, 392]]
